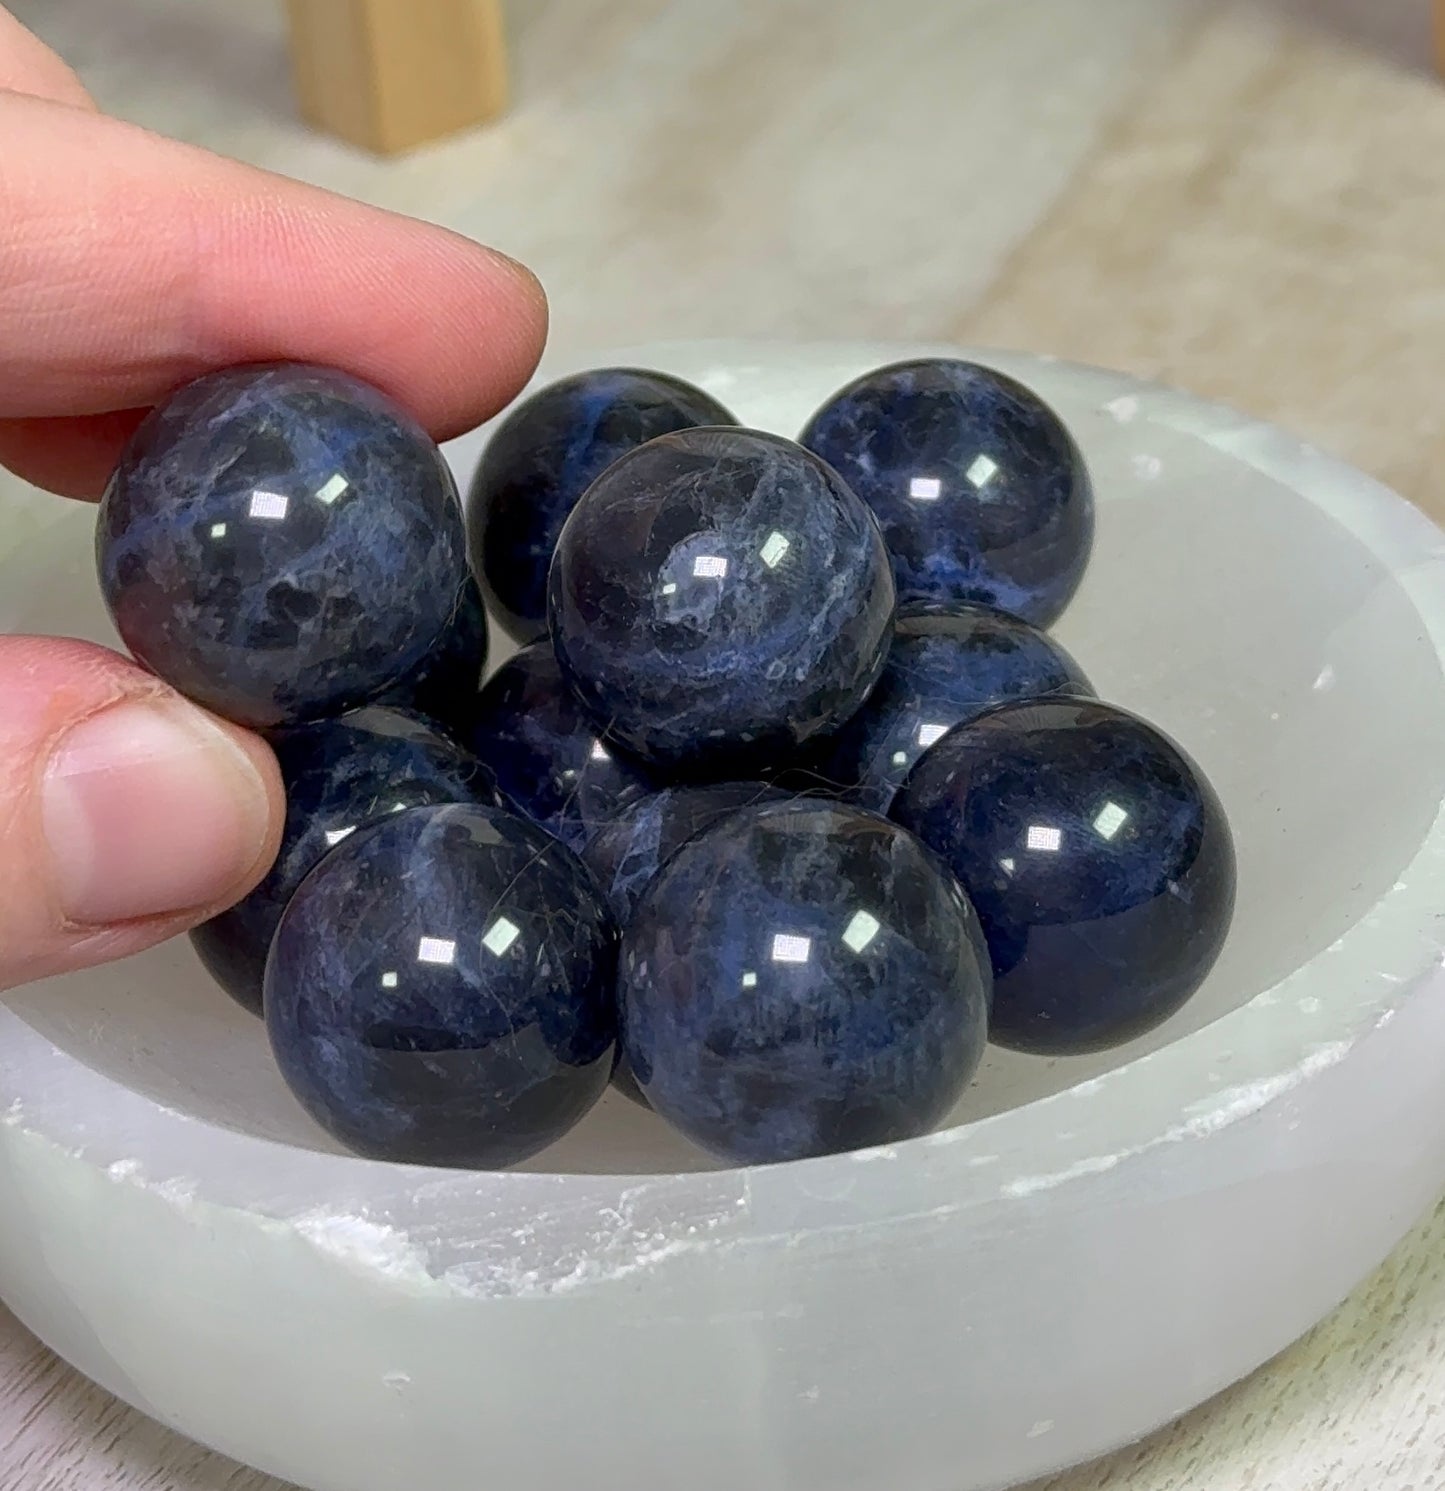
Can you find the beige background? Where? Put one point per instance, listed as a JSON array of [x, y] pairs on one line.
[[1247, 199]]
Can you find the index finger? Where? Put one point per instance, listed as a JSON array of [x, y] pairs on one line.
[[130, 264]]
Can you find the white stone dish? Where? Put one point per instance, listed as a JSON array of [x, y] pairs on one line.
[[1098, 1246]]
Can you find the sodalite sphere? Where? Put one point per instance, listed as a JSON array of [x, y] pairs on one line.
[[626, 853], [981, 491], [541, 459], [1099, 858], [439, 990], [444, 685], [945, 665], [718, 598], [340, 775], [546, 755], [802, 978], [281, 543]]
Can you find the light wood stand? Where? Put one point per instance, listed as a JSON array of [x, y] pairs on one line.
[[390, 75]]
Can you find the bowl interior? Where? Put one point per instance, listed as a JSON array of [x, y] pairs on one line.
[[1230, 607]]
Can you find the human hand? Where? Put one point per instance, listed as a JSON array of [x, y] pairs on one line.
[[130, 264]]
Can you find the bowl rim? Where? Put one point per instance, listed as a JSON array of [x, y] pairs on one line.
[[1189, 1089]]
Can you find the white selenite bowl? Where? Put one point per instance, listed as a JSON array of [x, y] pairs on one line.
[[1098, 1245]]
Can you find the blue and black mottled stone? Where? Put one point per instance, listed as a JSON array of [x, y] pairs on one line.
[[444, 686], [541, 459], [1098, 856], [627, 851], [470, 1020], [718, 598], [945, 665], [802, 978], [981, 491], [546, 755], [281, 543], [340, 775]]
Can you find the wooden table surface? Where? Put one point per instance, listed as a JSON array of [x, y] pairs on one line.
[[1160, 206]]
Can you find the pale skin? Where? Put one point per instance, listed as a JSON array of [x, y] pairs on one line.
[[129, 264]]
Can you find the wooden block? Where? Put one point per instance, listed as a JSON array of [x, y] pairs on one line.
[[390, 75]]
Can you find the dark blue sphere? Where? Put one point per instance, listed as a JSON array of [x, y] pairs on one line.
[[945, 666], [549, 762], [439, 991], [981, 491], [802, 978], [541, 459], [626, 853], [340, 775], [280, 543], [444, 686], [718, 598], [1098, 856]]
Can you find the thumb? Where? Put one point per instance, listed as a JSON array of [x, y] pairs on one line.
[[126, 812]]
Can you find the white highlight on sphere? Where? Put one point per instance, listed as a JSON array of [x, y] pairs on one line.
[[859, 932], [773, 550], [1110, 819], [500, 936], [790, 948], [271, 506]]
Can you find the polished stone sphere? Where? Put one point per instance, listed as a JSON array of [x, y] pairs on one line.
[[281, 543], [545, 753], [444, 685], [800, 978], [626, 853], [717, 599], [340, 775], [541, 459], [439, 990], [981, 491], [1098, 856], [946, 664]]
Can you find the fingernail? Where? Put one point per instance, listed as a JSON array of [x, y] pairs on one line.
[[149, 807]]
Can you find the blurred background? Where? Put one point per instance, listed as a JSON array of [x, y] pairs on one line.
[[1246, 197], [1243, 197]]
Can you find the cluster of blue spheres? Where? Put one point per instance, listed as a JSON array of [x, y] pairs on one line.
[[786, 806]]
